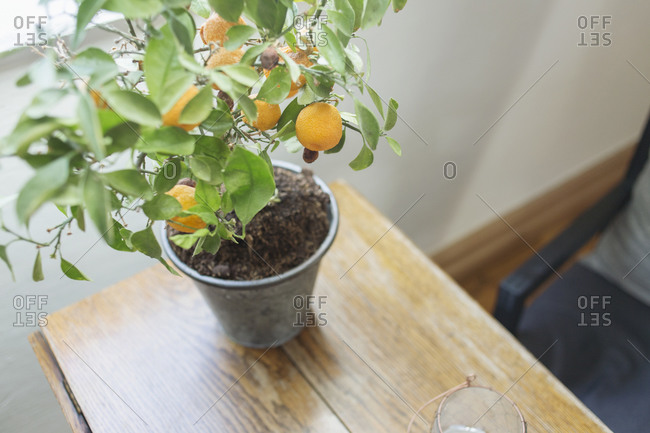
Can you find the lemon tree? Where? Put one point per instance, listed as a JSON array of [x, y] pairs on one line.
[[196, 111]]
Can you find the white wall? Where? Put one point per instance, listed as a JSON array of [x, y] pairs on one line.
[[457, 66]]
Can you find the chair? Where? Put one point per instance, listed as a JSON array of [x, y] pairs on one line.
[[591, 327]]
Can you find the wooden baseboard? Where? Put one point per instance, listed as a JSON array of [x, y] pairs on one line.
[[537, 221]]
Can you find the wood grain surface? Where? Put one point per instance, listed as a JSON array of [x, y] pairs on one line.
[[57, 381], [147, 355]]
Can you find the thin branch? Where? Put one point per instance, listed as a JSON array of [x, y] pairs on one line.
[[131, 29], [140, 161], [137, 41]]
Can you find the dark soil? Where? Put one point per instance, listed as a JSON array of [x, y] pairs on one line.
[[280, 237]]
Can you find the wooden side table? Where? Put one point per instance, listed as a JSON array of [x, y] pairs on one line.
[[146, 355]]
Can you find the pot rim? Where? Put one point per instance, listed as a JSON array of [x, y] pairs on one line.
[[268, 281]]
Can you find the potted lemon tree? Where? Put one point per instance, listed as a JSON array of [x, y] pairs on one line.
[[178, 121]]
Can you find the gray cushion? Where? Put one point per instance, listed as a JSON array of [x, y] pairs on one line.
[[622, 255], [602, 349]]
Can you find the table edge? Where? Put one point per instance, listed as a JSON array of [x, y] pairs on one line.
[[58, 384]]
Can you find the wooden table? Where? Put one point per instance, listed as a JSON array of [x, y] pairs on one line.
[[146, 355]]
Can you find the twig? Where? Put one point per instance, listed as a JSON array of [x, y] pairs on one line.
[[137, 41], [140, 161], [56, 237], [131, 29], [351, 126]]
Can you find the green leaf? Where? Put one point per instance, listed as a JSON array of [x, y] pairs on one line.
[[206, 168], [177, 3], [333, 50], [294, 69], [235, 90], [355, 61], [43, 73], [184, 241], [169, 268], [69, 195], [214, 147], [394, 145], [71, 271], [126, 237], [169, 140], [205, 213], [363, 160], [242, 74], [95, 65], [89, 122], [183, 27], [398, 5], [5, 258], [207, 195], [25, 80], [248, 107], [357, 5], [391, 115], [276, 87], [249, 183], [168, 176], [98, 203], [134, 9], [306, 96], [133, 106], [368, 123], [199, 107], [374, 12], [376, 100], [45, 183], [230, 10], [109, 119], [27, 131], [218, 122], [46, 103], [199, 246], [86, 12], [237, 35], [190, 63], [78, 213], [343, 22], [226, 203], [253, 53], [211, 244], [162, 207], [339, 146], [320, 84], [283, 133], [349, 117], [145, 242], [37, 272], [292, 145], [343, 18], [129, 182], [166, 78], [122, 137], [201, 8], [268, 14]]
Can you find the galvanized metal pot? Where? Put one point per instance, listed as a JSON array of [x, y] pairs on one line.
[[262, 313]]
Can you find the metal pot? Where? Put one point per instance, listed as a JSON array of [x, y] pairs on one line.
[[262, 313]]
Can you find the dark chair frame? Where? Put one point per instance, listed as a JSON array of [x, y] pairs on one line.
[[521, 283]]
